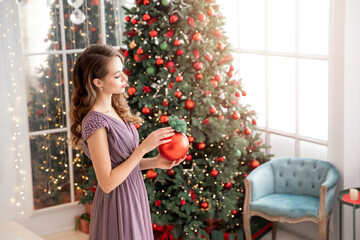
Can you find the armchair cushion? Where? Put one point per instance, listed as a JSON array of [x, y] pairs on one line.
[[292, 206]]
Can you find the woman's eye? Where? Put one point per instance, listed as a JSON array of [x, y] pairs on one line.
[[117, 77]]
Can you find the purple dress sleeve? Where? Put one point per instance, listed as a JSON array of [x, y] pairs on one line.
[[92, 124]]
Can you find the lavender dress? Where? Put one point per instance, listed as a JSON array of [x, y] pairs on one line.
[[124, 213]]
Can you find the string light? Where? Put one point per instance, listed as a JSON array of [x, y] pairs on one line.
[[13, 72]]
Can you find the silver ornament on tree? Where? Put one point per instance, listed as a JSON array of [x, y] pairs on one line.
[[77, 16]]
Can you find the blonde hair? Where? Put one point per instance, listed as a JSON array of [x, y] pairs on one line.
[[91, 64]]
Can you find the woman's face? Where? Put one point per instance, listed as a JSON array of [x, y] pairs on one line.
[[115, 80]]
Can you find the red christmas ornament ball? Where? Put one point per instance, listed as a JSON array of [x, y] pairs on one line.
[[127, 18], [254, 121], [153, 33], [206, 121], [146, 17], [247, 131], [202, 17], [236, 115], [189, 104], [173, 18], [159, 61], [165, 103], [179, 78], [140, 51], [151, 174], [214, 173], [199, 76], [170, 65], [191, 139], [134, 21], [212, 110], [198, 66], [209, 57], [188, 157], [170, 172], [177, 43], [227, 185], [201, 146], [157, 203], [145, 110], [179, 52], [176, 149], [178, 94], [204, 205], [254, 164], [218, 77], [131, 91], [196, 36], [164, 119]]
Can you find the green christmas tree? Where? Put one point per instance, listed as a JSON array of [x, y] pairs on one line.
[[178, 61]]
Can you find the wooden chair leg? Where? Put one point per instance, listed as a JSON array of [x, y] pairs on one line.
[[274, 228], [246, 223], [323, 229]]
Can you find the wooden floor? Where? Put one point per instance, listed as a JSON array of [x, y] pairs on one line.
[[77, 235]]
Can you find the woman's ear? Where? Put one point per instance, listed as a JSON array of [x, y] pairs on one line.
[[97, 82]]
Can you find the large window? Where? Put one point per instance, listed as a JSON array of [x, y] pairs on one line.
[[53, 33], [281, 51]]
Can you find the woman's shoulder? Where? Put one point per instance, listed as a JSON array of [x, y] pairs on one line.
[[93, 121]]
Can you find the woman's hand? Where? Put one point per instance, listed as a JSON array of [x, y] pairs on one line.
[[155, 139], [163, 163]]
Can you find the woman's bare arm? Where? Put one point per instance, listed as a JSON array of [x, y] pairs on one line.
[[148, 163], [108, 178]]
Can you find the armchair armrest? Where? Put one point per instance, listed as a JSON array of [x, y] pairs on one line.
[[332, 178], [262, 181]]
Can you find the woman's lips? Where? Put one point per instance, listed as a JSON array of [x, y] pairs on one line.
[[123, 86]]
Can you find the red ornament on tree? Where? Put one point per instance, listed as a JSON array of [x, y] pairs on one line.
[[169, 65], [218, 77], [127, 18], [212, 110], [165, 103], [173, 18], [236, 116], [243, 93], [214, 173], [201, 146], [140, 51], [196, 54], [131, 90], [177, 43], [202, 17], [220, 46], [188, 157], [145, 110], [191, 139], [189, 104], [157, 203], [209, 57], [204, 205], [179, 52], [179, 78], [151, 174], [227, 185], [237, 94], [254, 121], [220, 159], [247, 131], [153, 33], [176, 149], [191, 21], [196, 36], [254, 164], [159, 61], [164, 119], [182, 202], [134, 21], [198, 66], [170, 172], [146, 17], [206, 121], [199, 76], [178, 94], [210, 12]]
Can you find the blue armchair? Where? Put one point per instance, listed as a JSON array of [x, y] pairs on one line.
[[291, 190]]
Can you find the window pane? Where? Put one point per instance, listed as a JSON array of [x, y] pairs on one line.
[[313, 98], [40, 26], [50, 175], [115, 20], [82, 33], [314, 26], [80, 165], [252, 24], [71, 58], [312, 150], [282, 146], [252, 73], [281, 75], [45, 90], [229, 10], [281, 25]]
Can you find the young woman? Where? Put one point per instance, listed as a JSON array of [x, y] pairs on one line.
[[102, 119]]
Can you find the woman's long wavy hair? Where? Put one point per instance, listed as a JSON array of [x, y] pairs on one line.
[[91, 64]]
